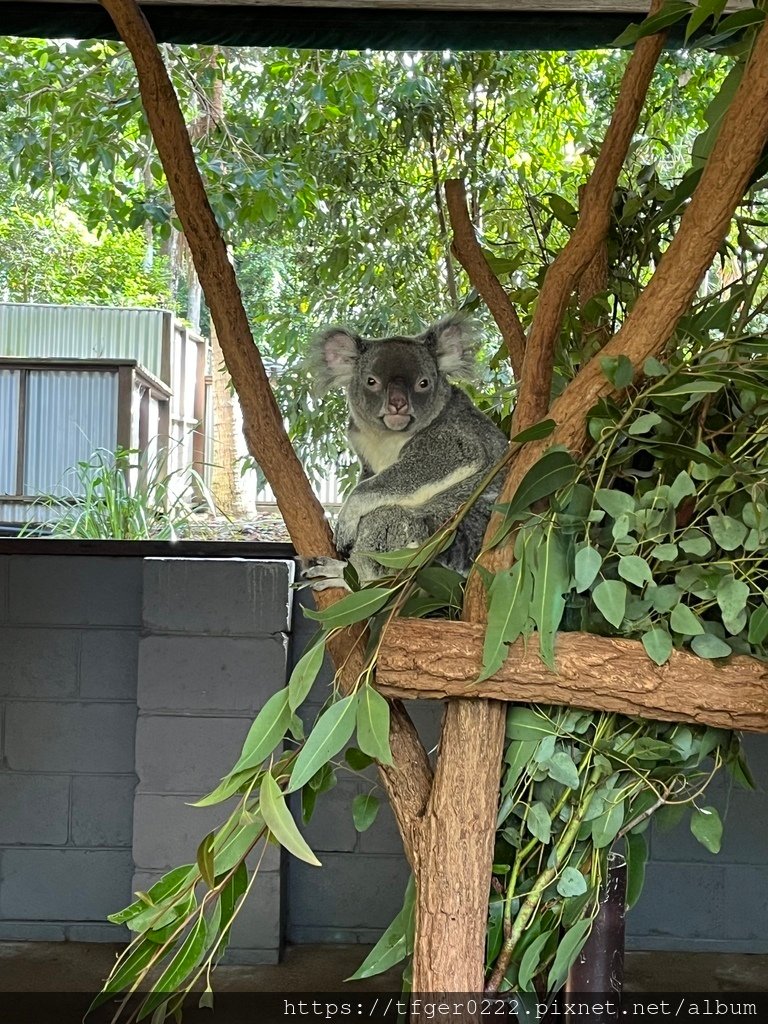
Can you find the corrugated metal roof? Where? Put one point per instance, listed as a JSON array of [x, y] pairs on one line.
[[32, 331]]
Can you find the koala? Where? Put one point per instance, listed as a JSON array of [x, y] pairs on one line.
[[423, 445]]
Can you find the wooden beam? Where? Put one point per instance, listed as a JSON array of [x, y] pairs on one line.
[[432, 658]]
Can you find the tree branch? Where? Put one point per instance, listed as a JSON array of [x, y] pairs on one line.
[[467, 251], [588, 235], [597, 672], [408, 781], [734, 156]]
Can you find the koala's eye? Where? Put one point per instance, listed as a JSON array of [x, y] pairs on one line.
[[423, 384], [372, 382]]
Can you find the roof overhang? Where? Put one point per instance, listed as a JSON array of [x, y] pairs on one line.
[[349, 24]]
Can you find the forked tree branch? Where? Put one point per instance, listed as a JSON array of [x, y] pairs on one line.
[[467, 251], [408, 781], [742, 138], [588, 235]]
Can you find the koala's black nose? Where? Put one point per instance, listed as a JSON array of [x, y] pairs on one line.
[[397, 399]]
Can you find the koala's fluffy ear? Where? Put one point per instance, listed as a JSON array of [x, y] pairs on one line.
[[332, 357], [453, 342]]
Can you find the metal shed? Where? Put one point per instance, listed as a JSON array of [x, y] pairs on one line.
[[77, 378]]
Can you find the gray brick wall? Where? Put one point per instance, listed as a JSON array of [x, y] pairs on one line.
[[213, 650], [69, 630], [94, 802]]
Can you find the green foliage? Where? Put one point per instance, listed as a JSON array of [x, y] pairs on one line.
[[124, 495]]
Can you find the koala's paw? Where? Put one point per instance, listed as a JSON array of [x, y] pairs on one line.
[[324, 573]]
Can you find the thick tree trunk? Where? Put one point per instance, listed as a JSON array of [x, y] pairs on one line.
[[454, 852]]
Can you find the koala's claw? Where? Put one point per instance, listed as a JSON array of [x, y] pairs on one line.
[[324, 573]]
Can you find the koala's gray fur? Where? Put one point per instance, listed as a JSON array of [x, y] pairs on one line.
[[422, 444]]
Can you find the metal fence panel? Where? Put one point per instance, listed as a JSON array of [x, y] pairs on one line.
[[70, 413], [9, 429]]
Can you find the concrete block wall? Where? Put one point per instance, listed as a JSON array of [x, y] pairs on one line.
[[213, 649], [695, 900], [69, 635]]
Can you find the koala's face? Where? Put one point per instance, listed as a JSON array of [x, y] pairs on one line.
[[399, 383], [397, 386]]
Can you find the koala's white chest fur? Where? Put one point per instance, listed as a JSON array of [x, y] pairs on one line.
[[378, 449]]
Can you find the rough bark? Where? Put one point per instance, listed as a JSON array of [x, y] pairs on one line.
[[467, 251], [408, 781], [424, 659], [454, 851], [588, 235]]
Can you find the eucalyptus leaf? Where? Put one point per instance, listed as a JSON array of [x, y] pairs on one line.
[[331, 732], [551, 579], [538, 822], [664, 552], [618, 370], [394, 945], [615, 503], [635, 569], [610, 596], [508, 602], [606, 827], [365, 808], [682, 487], [304, 674], [684, 621], [535, 433], [181, 966], [728, 532], [644, 423], [571, 882], [355, 607], [529, 964], [658, 644], [758, 625], [555, 469], [694, 542], [268, 729], [569, 948], [636, 853], [708, 646], [525, 724], [587, 564], [280, 823], [732, 596], [562, 768], [707, 827], [372, 721]]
